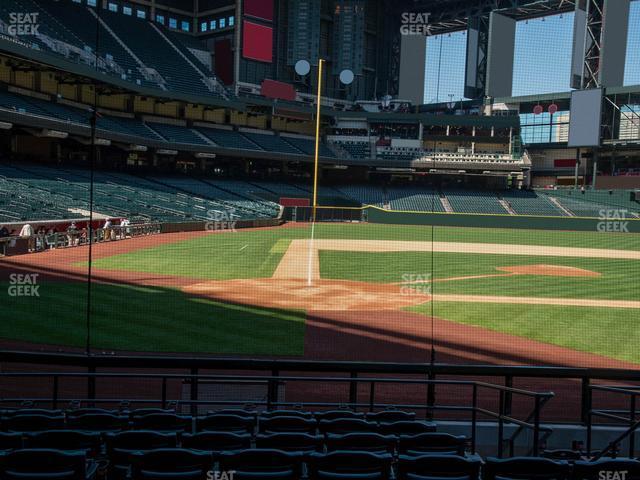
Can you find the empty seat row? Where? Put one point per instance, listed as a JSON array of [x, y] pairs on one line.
[[183, 464]]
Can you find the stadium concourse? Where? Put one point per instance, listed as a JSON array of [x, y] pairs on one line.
[[249, 239]]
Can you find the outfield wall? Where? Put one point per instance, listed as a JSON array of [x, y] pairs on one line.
[[610, 225]]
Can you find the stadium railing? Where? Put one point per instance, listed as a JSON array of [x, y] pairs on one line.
[[66, 239], [360, 379], [628, 416]]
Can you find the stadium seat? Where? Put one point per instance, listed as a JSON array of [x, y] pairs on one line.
[[89, 442], [437, 467], [10, 441], [171, 463], [350, 465], [163, 422], [98, 422], [120, 446], [32, 422], [286, 413], [388, 416], [346, 425], [287, 424], [431, 443], [568, 455], [46, 464], [404, 427], [241, 412], [225, 423], [335, 414], [290, 442], [365, 442], [608, 469], [525, 468], [216, 441], [261, 464]]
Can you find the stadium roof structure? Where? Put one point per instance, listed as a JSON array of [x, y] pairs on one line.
[[453, 15]]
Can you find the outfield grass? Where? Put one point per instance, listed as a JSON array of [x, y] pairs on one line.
[[254, 254], [619, 279], [149, 319], [611, 332]]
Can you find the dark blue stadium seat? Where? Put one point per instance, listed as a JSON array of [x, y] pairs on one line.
[[261, 464], [10, 441], [98, 422], [171, 464], [88, 442], [216, 441], [350, 465], [287, 424], [346, 425], [46, 464], [290, 442], [366, 442], [225, 423], [163, 422], [286, 413], [525, 468], [120, 447], [335, 414], [437, 467], [388, 416], [405, 427], [431, 443], [32, 422]]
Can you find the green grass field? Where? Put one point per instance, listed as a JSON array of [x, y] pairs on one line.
[[167, 320]]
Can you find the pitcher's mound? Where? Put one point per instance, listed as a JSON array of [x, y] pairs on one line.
[[550, 270], [328, 295]]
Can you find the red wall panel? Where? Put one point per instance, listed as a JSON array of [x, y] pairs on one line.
[[259, 8], [257, 42]]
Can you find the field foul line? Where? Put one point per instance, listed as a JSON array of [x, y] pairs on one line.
[[567, 302]]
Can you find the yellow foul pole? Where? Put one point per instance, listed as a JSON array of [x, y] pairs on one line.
[[317, 153]]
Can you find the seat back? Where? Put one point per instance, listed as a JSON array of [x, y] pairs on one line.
[[437, 467], [406, 427], [98, 422], [163, 422], [287, 424], [525, 468], [43, 463], [216, 441], [335, 414], [171, 463], [437, 443], [366, 442], [349, 465], [10, 441], [290, 442], [286, 413], [225, 423], [33, 422], [262, 464], [346, 425], [389, 416], [68, 440]]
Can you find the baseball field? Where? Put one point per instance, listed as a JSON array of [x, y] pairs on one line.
[[356, 292]]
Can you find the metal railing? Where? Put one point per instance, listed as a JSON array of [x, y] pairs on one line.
[[628, 417], [75, 238], [274, 382]]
